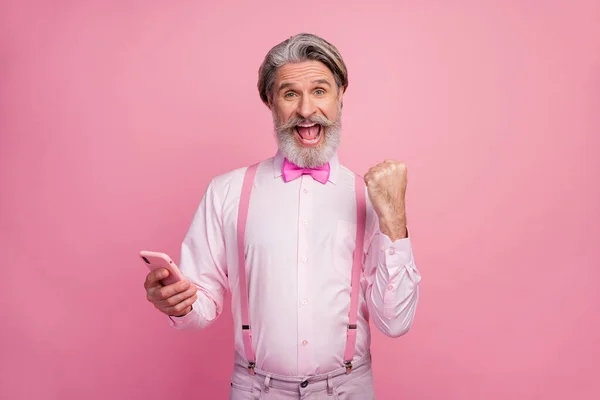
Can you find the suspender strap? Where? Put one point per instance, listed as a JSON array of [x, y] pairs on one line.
[[361, 214], [356, 268], [241, 232]]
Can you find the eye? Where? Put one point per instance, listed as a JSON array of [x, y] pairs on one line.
[[289, 95], [319, 92]]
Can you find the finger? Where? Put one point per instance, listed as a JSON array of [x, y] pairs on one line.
[[180, 307], [179, 297], [153, 277], [402, 168], [170, 290], [378, 168]]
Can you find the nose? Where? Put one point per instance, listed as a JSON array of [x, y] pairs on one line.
[[306, 107]]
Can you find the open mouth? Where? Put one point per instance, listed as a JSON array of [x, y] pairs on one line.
[[309, 134]]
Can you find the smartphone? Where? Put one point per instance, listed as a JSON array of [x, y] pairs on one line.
[[156, 260]]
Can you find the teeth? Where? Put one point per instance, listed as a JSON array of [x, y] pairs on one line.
[[306, 126]]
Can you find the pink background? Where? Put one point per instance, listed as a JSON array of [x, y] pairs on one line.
[[114, 115]]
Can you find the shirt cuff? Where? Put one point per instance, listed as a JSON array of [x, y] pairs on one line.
[[179, 322], [397, 253]]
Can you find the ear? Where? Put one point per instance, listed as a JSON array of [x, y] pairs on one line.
[[340, 97]]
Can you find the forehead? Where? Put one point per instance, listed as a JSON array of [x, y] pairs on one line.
[[303, 71]]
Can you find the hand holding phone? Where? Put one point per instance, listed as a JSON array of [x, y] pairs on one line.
[[166, 287], [155, 261]]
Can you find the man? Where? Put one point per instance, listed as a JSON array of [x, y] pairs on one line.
[[302, 298]]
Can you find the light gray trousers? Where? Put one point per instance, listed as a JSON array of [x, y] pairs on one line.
[[357, 385]]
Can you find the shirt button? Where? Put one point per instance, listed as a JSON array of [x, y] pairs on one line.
[[305, 190], [304, 302], [392, 251], [305, 222], [304, 259], [304, 342], [390, 287]]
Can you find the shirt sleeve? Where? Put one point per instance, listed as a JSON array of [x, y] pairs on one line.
[[203, 262], [392, 284]]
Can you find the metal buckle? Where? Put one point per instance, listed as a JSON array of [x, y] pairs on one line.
[[348, 365]]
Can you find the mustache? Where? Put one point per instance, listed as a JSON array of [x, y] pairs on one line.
[[294, 121]]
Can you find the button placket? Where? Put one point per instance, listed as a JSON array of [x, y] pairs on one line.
[[305, 329]]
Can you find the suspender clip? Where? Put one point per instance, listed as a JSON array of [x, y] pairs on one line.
[[348, 365], [352, 326], [251, 366]]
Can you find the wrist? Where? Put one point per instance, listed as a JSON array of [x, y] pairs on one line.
[[185, 312], [394, 228]]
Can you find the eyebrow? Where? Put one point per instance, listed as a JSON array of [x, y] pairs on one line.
[[322, 82], [317, 81]]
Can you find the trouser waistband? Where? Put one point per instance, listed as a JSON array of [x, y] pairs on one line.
[[294, 383]]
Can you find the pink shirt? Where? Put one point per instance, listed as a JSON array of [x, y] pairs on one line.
[[299, 242]]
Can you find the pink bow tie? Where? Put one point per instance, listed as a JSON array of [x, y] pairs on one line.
[[292, 171]]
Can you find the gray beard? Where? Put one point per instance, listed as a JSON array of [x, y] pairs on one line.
[[308, 157]]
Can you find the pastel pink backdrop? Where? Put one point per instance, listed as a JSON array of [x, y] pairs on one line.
[[114, 115]]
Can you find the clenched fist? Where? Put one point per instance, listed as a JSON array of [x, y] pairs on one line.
[[386, 185], [176, 299]]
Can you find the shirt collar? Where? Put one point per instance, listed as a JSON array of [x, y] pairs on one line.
[[334, 165]]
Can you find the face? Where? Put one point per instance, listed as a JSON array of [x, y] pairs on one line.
[[306, 107]]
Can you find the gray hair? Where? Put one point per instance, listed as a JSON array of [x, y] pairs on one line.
[[298, 48]]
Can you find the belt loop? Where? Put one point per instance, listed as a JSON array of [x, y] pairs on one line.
[[329, 385], [267, 382]]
